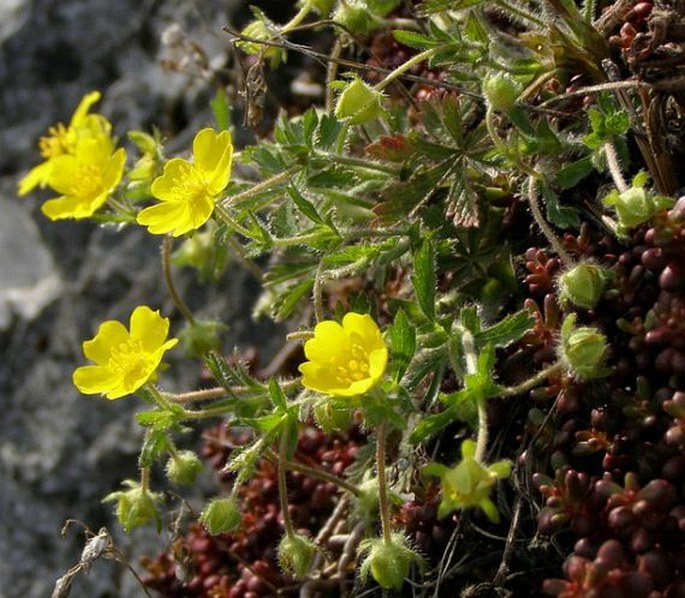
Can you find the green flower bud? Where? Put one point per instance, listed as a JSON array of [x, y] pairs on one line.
[[501, 91], [358, 103], [136, 507], [183, 467], [388, 562], [295, 553], [323, 7], [583, 349], [221, 515], [356, 16], [260, 29], [636, 205], [469, 483], [582, 285], [201, 337], [382, 7]]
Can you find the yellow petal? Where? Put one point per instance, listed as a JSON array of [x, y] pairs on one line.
[[114, 169], [149, 327], [110, 334], [37, 176], [363, 330], [378, 360], [161, 218], [329, 341], [316, 377], [166, 187], [94, 379], [83, 107], [64, 207], [61, 176], [212, 151]]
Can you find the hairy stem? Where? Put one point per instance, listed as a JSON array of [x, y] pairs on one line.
[[171, 287], [383, 503], [615, 167], [282, 484], [544, 227]]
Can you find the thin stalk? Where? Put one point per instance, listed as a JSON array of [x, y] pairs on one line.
[[615, 167], [160, 399], [282, 484], [318, 474], [471, 358], [144, 479], [300, 16], [544, 227], [332, 73], [246, 261], [243, 196], [531, 383], [232, 222], [404, 67], [317, 293], [205, 394], [358, 163], [171, 287], [520, 12], [383, 503]]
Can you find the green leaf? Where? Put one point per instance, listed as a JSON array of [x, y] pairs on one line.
[[469, 318], [286, 302], [414, 39], [432, 424], [304, 205], [155, 444], [403, 344], [310, 121], [221, 110], [563, 217], [569, 176], [266, 423], [507, 330], [425, 279], [328, 132], [277, 397]]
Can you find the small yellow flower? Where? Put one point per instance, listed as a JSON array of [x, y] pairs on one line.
[[344, 360], [62, 140], [85, 178], [124, 360], [188, 190]]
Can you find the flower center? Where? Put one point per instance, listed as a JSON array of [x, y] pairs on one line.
[[87, 181], [129, 359], [352, 366], [191, 189], [58, 141]]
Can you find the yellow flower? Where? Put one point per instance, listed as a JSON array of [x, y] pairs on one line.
[[62, 140], [188, 190], [124, 360], [344, 360], [85, 178]]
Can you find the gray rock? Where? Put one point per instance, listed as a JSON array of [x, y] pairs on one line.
[[28, 280], [61, 452]]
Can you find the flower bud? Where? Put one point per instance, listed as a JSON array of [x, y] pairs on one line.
[[358, 103], [356, 17], [583, 349], [135, 507], [221, 515], [183, 467], [295, 553], [199, 337], [261, 30], [582, 285], [323, 7], [635, 205], [501, 91], [388, 562]]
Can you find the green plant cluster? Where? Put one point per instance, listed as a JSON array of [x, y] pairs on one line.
[[386, 226]]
